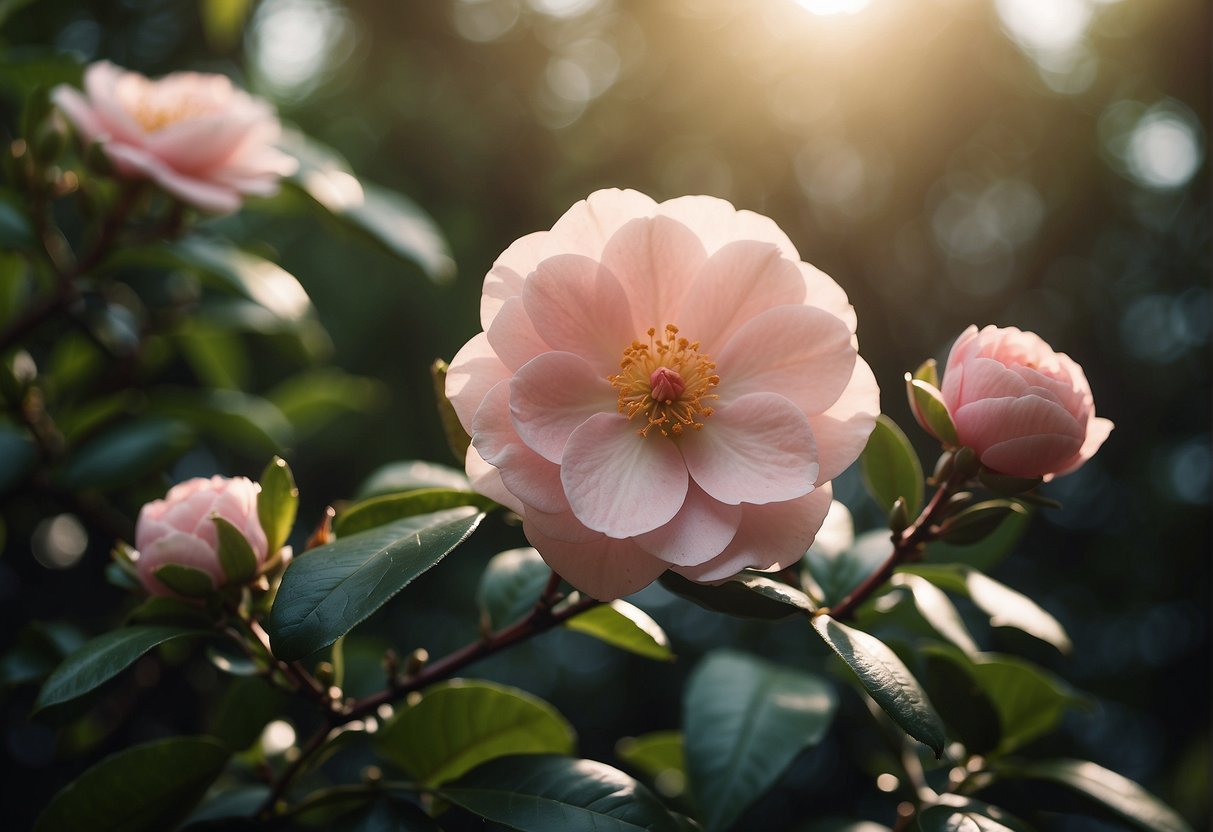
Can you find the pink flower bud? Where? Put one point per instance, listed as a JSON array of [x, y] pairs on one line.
[[1025, 410], [193, 134], [180, 529]]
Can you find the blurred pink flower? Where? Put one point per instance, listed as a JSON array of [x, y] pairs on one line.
[[193, 134], [179, 529], [662, 386], [1026, 410]]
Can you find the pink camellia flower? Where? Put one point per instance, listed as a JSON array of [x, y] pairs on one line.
[[193, 134], [662, 386], [1026, 410], [180, 528]]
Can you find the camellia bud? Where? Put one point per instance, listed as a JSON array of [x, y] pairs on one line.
[[899, 517]]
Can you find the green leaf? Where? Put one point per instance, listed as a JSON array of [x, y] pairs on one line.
[[511, 585], [126, 453], [386, 217], [230, 416], [277, 503], [929, 409], [964, 705], [977, 522], [1118, 793], [328, 591], [838, 573], [886, 679], [218, 358], [987, 553], [367, 813], [248, 705], [654, 754], [39, 648], [161, 609], [411, 475], [1029, 701], [891, 468], [625, 626], [380, 510], [102, 659], [312, 400], [457, 438], [1005, 606], [957, 814], [559, 794], [147, 788], [744, 721], [461, 724], [937, 609], [185, 580], [253, 277], [744, 596], [236, 555]]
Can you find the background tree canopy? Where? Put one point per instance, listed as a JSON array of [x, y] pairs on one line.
[[1036, 163]]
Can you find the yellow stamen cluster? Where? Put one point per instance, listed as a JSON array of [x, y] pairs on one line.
[[682, 368]]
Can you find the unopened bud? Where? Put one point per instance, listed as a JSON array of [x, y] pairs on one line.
[[966, 463], [930, 411], [899, 516]]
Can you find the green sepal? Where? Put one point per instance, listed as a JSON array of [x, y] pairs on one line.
[[277, 504], [236, 555], [185, 580], [929, 409]]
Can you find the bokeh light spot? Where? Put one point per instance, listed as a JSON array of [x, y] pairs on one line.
[[59, 542], [293, 42], [1163, 149], [832, 7]]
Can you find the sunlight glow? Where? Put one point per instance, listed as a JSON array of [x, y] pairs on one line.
[[831, 7]]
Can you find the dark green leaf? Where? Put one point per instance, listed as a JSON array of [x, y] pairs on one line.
[[988, 552], [378, 511], [887, 679], [411, 475], [368, 813], [236, 555], [185, 580], [745, 596], [744, 721], [160, 609], [962, 702], [277, 503], [625, 626], [148, 788], [232, 417], [249, 704], [17, 457], [16, 231], [977, 522], [239, 802], [937, 610], [102, 659], [511, 585], [40, 647], [218, 358], [1118, 793], [891, 468], [386, 217], [329, 590], [312, 400], [253, 277], [461, 724], [559, 794], [126, 453], [957, 814], [837, 573]]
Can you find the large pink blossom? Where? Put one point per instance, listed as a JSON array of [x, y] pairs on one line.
[[662, 386], [180, 529], [1026, 410], [193, 134]]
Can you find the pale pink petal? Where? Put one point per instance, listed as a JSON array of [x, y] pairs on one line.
[[513, 336], [485, 479], [619, 483], [103, 82], [526, 474], [202, 143], [181, 549], [699, 532], [737, 283], [985, 378], [1098, 430], [1029, 456], [510, 270], [207, 196], [604, 569], [842, 430], [473, 371], [718, 223], [775, 535], [823, 292], [655, 259], [757, 449], [77, 110], [986, 422], [965, 346], [578, 306], [552, 395], [562, 526], [586, 227], [800, 352]]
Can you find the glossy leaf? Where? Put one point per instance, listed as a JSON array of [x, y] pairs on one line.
[[927, 405], [559, 794], [1114, 791], [744, 721], [461, 724], [256, 278], [744, 596], [891, 468], [886, 679], [329, 590], [977, 522], [937, 610], [625, 626], [412, 475], [511, 585], [989, 551], [958, 696], [838, 572], [377, 511], [103, 658], [236, 555], [277, 503], [186, 581], [126, 453], [147, 788], [654, 754], [957, 814]]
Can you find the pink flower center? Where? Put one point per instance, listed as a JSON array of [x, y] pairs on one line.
[[668, 381], [155, 105]]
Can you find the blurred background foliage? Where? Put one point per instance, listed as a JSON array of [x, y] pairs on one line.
[[1036, 163]]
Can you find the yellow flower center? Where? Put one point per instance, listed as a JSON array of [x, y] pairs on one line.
[[156, 115], [668, 381]]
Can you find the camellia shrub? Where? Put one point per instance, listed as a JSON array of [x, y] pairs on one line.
[[663, 392]]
